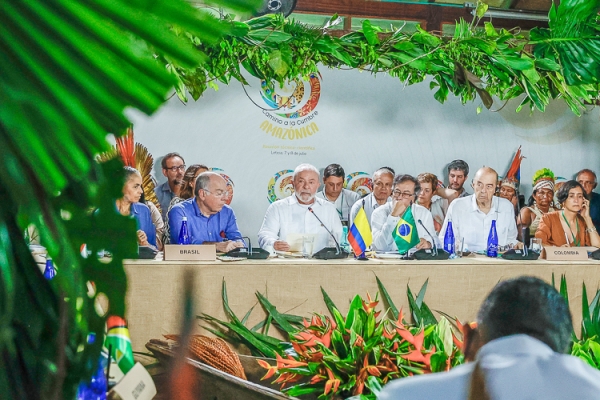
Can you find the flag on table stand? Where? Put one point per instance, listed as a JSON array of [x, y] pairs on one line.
[[359, 236], [405, 234], [119, 341]]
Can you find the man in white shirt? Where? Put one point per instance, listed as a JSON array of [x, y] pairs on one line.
[[298, 214], [383, 180], [472, 216], [385, 218], [523, 327], [334, 192]]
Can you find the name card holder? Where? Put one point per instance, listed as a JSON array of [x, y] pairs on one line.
[[190, 252], [566, 253]]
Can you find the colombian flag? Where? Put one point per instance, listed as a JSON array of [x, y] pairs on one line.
[[405, 235], [359, 236]]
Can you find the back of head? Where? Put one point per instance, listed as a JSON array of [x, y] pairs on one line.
[[530, 306]]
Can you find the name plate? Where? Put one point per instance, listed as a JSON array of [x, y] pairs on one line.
[[566, 253], [190, 252]]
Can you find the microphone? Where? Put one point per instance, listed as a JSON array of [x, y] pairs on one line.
[[248, 252], [423, 254], [328, 253], [433, 243]]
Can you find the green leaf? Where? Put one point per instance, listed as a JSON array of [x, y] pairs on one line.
[[355, 305], [328, 302], [277, 316], [269, 36], [481, 9], [370, 32], [387, 299], [444, 332], [414, 308]]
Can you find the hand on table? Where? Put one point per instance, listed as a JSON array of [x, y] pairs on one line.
[[227, 246], [281, 245], [423, 244]]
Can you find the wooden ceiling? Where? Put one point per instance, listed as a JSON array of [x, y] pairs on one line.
[[432, 15]]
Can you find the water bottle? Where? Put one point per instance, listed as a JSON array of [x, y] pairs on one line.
[[49, 271], [492, 243], [449, 239], [184, 236]]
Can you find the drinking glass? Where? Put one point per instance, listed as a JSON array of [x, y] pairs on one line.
[[307, 246], [536, 245], [458, 247]]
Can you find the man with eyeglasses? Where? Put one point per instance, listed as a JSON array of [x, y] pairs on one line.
[[210, 220], [173, 167], [383, 180], [472, 216], [385, 218], [587, 179], [292, 215]]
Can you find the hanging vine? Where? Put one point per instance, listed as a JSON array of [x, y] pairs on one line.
[[559, 62]]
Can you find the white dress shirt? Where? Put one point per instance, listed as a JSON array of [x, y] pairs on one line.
[[383, 224], [343, 204], [370, 205], [516, 367], [470, 223], [287, 216]]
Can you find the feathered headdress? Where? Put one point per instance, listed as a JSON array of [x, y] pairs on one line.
[[137, 156], [543, 178], [513, 175]]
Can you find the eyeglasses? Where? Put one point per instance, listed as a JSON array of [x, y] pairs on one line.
[[218, 193], [404, 195], [175, 169]]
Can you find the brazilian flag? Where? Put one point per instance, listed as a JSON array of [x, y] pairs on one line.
[[405, 235]]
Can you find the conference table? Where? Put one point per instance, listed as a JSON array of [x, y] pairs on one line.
[[456, 287]]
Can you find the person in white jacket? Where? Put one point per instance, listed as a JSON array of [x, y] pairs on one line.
[[301, 213], [385, 218]]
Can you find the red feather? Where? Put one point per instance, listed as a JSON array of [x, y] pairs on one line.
[[515, 165]]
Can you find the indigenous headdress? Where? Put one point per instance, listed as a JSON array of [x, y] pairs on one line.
[[543, 179], [513, 175], [137, 156]]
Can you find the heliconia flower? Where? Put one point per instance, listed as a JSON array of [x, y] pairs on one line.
[[415, 356], [358, 389], [373, 370], [271, 369], [400, 318], [406, 335], [305, 323], [419, 338], [332, 386], [387, 334], [457, 342], [290, 362], [316, 379]]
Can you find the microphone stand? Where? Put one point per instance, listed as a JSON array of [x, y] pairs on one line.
[[433, 243], [328, 254], [525, 250]]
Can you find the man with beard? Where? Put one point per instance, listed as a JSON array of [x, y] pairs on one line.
[[292, 215], [173, 167], [458, 171]]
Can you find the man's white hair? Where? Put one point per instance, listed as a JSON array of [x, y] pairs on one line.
[[305, 167]]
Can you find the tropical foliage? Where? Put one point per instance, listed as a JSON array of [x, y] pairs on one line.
[[560, 62], [351, 355], [587, 345], [69, 70]]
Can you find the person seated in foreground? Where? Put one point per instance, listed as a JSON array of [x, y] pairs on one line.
[[129, 205], [572, 226], [209, 219], [458, 172], [383, 180], [292, 215], [384, 220], [186, 191], [334, 192], [587, 179], [472, 216], [434, 198], [524, 330], [539, 203]]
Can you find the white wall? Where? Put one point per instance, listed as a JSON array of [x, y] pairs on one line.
[[365, 122]]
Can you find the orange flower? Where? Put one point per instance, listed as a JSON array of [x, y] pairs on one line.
[[271, 369]]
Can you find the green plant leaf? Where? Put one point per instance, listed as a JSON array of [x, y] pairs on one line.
[[370, 32], [387, 299], [277, 316]]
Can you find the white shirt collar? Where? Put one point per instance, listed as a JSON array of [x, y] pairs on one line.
[[475, 207], [513, 345]]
